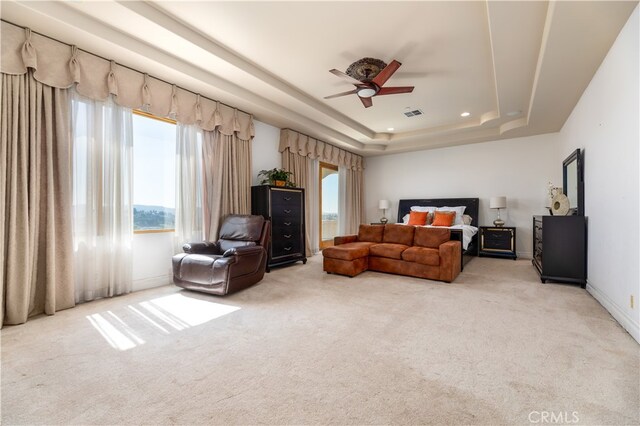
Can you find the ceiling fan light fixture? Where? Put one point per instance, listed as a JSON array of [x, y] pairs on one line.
[[366, 92]]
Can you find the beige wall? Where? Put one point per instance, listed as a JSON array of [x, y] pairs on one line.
[[516, 168], [605, 125]]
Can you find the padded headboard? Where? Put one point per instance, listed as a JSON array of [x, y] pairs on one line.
[[404, 206]]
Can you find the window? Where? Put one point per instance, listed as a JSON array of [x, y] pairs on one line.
[[328, 204], [154, 156]]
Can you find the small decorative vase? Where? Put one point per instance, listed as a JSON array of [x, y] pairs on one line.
[[280, 182]]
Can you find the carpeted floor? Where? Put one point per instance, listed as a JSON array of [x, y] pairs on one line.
[[304, 347]]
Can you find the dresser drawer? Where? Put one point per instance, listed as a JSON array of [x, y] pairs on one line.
[[286, 247], [283, 198]]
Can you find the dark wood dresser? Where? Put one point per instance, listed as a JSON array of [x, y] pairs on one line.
[[284, 207], [560, 248]]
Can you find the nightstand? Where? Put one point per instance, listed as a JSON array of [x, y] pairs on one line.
[[498, 241]]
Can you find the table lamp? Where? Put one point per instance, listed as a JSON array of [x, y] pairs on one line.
[[498, 203], [383, 205]]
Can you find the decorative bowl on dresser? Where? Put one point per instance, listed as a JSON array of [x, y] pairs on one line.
[[498, 241], [284, 206]]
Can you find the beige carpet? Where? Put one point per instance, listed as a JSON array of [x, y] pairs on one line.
[[304, 347]]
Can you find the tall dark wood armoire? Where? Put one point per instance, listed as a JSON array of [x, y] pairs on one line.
[[284, 207]]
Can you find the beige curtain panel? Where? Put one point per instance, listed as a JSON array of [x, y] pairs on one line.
[[227, 179], [307, 146], [35, 199], [353, 211], [60, 65]]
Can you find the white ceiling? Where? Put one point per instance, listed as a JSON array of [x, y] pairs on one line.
[[272, 59]]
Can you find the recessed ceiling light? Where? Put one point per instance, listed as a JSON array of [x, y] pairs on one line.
[[390, 129], [514, 113], [465, 114]]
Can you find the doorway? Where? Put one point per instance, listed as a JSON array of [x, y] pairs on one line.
[[328, 204]]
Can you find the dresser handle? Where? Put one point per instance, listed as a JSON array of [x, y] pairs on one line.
[[287, 211], [287, 248], [287, 223], [287, 236], [287, 198]]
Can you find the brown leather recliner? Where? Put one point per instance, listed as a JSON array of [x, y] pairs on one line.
[[234, 262]]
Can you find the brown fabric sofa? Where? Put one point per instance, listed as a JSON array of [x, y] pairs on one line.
[[398, 249]]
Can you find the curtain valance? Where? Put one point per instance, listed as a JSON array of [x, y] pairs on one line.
[[60, 65], [309, 147]]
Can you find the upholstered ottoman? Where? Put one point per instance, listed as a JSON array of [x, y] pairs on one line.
[[350, 254]]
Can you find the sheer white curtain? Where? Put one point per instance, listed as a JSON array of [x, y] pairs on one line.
[[189, 186], [102, 134]]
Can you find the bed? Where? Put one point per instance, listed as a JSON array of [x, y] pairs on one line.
[[457, 232]]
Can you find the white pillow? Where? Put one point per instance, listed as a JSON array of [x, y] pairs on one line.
[[429, 209], [459, 212], [405, 219]]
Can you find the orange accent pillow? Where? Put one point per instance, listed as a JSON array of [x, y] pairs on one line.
[[418, 218], [443, 218]]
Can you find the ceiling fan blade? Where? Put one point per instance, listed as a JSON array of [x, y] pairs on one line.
[[386, 73], [337, 95], [367, 102], [394, 90], [345, 76]]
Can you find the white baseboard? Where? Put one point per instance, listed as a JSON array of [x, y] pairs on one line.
[[152, 282], [632, 327], [524, 255]]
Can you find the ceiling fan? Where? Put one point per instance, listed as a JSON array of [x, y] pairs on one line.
[[369, 76]]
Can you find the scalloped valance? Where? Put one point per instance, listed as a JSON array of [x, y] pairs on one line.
[[60, 65], [309, 147]]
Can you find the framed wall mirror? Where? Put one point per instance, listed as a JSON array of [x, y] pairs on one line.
[[573, 182]]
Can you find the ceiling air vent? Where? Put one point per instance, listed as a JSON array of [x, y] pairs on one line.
[[413, 113]]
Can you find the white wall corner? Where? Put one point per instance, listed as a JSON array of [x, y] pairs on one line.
[[628, 323]]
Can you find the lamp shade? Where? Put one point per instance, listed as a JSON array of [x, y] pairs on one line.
[[498, 202], [383, 204]]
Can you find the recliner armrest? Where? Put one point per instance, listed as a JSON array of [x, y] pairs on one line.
[[243, 251], [203, 247]]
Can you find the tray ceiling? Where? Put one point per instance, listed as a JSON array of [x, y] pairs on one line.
[[518, 68]]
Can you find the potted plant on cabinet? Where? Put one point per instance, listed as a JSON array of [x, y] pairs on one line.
[[277, 177]]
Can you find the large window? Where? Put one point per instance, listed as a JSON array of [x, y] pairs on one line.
[[154, 156], [328, 204]]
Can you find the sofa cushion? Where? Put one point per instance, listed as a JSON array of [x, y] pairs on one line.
[[348, 251], [398, 234], [390, 250], [423, 255], [371, 233], [431, 237]]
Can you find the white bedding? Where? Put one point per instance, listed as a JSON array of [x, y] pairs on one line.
[[468, 232]]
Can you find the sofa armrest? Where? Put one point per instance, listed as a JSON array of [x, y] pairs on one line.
[[450, 260], [204, 247], [344, 239]]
